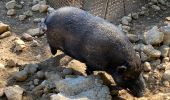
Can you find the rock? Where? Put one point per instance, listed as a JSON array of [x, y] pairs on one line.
[[27, 37], [34, 43], [2, 66], [132, 37], [28, 13], [21, 76], [67, 71], [164, 50], [19, 45], [37, 20], [73, 86], [162, 2], [166, 31], [156, 8], [151, 52], [33, 32], [53, 76], [11, 4], [43, 8], [154, 1], [76, 88], [35, 7], [42, 2], [125, 20], [5, 34], [166, 76], [144, 57], [1, 92], [40, 74], [31, 68], [147, 67], [50, 10], [166, 83], [168, 19], [153, 36], [135, 15], [36, 81], [13, 92], [3, 28], [11, 63], [155, 63], [124, 27], [165, 60], [22, 17], [11, 12]]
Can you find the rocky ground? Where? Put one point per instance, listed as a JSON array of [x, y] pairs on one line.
[[28, 71]]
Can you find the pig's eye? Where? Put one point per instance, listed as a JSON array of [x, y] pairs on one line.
[[121, 69]]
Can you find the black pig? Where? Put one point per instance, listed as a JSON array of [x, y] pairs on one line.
[[95, 42]]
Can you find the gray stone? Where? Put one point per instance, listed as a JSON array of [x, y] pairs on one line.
[[144, 57], [67, 71], [151, 52], [14, 92], [156, 8], [125, 27], [11, 12], [164, 50], [33, 32], [155, 63], [166, 31], [36, 81], [21, 76], [37, 20], [28, 13], [22, 17], [40, 74], [31, 68], [34, 43], [90, 88], [135, 15], [163, 2], [147, 66], [132, 37], [53, 76], [153, 36], [35, 7], [126, 20], [154, 1], [11, 4]]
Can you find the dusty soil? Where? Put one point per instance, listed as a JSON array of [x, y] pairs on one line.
[[41, 54]]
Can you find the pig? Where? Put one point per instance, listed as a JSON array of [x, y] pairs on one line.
[[97, 43]]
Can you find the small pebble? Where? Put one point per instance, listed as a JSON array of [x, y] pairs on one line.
[[147, 66], [11, 12], [40, 74], [36, 81], [21, 76]]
